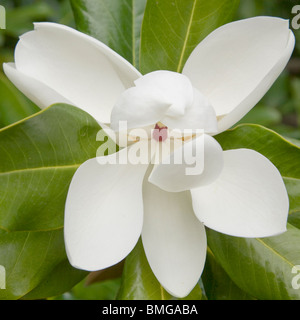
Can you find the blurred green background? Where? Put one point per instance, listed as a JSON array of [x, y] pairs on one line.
[[278, 110]]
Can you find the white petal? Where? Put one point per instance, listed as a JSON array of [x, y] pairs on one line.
[[248, 200], [139, 107], [156, 95], [198, 162], [104, 213], [174, 240], [36, 91], [200, 115], [80, 68], [172, 86], [236, 64]]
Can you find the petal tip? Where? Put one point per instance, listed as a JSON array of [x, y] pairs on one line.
[[180, 293]]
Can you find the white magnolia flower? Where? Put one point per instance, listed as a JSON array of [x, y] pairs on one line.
[[239, 192]]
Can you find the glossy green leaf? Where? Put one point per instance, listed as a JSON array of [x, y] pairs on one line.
[[293, 141], [294, 219], [14, 106], [293, 188], [287, 131], [116, 23], [31, 260], [260, 267], [39, 156], [110, 273], [172, 29], [139, 282], [106, 290], [283, 153], [217, 284]]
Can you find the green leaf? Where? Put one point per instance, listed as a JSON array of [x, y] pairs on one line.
[[293, 141], [14, 106], [217, 284], [39, 156], [293, 188], [172, 29], [110, 273], [139, 282], [115, 23], [106, 290], [31, 260], [260, 267], [281, 152], [294, 219]]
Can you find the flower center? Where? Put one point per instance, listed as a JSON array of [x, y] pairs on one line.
[[160, 132], [164, 96]]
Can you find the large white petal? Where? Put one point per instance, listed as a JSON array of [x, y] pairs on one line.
[[36, 91], [174, 240], [198, 162], [80, 68], [237, 63], [104, 212], [248, 200]]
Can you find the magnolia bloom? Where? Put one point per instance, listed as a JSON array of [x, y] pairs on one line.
[[109, 206]]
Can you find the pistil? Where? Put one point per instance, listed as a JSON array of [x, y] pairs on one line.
[[160, 132]]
